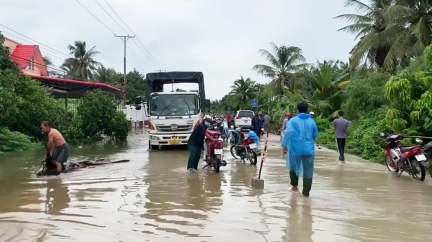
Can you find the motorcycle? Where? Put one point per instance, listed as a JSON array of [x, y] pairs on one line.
[[409, 159], [221, 128], [214, 151], [428, 153], [243, 148]]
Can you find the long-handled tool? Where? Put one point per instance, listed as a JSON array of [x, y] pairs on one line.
[[258, 183]]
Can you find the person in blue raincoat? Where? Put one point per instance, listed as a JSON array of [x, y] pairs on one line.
[[299, 139], [254, 136]]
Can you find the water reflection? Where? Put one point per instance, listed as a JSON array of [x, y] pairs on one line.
[[299, 220], [155, 195], [57, 197]]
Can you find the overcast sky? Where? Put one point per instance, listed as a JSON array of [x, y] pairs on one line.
[[220, 38]]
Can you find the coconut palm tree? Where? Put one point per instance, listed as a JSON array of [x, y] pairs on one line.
[[326, 80], [109, 76], [243, 91], [370, 27], [284, 63], [47, 61], [82, 63], [413, 20]]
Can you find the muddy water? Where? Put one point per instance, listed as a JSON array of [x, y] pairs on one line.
[[152, 198]]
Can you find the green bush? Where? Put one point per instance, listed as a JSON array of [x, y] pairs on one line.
[[14, 141], [97, 116], [24, 104]]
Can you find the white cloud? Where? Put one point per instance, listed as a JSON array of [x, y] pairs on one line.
[[220, 38]]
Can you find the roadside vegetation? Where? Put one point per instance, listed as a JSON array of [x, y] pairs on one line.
[[385, 86], [24, 104]]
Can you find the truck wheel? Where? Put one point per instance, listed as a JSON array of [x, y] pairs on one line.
[[153, 147]]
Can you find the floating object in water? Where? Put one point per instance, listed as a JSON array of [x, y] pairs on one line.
[[78, 165]]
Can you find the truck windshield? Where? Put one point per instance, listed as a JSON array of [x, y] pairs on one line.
[[174, 105]]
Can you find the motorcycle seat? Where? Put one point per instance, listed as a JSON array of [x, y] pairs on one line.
[[405, 149]]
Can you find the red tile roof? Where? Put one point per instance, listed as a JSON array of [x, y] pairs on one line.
[[22, 54]]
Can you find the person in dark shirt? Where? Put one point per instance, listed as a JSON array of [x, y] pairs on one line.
[[196, 143], [256, 124]]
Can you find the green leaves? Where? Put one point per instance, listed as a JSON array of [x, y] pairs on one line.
[[14, 141], [97, 117], [243, 91], [284, 63], [82, 65], [390, 31]]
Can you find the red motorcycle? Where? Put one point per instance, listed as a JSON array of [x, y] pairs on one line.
[[409, 159], [242, 148], [214, 151]]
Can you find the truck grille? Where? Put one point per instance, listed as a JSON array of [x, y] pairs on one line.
[[180, 128]]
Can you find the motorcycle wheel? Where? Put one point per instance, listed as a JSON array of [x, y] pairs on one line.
[[252, 157], [233, 151], [216, 164], [390, 165], [421, 173]]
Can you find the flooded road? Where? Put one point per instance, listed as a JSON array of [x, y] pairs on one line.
[[153, 198]]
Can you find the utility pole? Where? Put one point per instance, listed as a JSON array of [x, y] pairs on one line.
[[124, 38]]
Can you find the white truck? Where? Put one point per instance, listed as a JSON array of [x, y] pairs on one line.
[[173, 115]]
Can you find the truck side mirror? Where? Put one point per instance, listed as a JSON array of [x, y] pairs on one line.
[[138, 101]]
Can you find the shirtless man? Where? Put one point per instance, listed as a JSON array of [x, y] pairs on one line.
[[57, 146]]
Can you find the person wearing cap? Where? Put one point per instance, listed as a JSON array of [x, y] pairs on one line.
[[196, 143]]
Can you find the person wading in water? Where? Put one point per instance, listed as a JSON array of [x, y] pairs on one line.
[[256, 124], [57, 147], [196, 143], [341, 126], [299, 139]]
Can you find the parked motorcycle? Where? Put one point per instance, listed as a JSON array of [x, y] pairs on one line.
[[214, 151], [409, 159], [428, 153], [243, 148]]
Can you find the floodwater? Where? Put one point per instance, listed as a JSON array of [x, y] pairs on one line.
[[153, 198]]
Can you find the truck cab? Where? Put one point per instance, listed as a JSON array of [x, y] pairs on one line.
[[173, 115]]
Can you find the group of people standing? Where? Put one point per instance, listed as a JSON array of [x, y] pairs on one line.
[[298, 138]]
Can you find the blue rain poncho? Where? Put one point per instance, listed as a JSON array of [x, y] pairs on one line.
[[254, 136], [299, 137]]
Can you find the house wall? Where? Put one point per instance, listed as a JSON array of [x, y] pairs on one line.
[[10, 44], [39, 66]]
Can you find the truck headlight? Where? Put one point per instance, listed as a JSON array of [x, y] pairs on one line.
[[154, 138]]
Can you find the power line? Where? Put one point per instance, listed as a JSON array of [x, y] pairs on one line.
[[139, 57], [34, 40], [143, 51], [55, 69], [95, 17], [111, 17], [155, 61], [50, 52], [119, 17], [38, 64]]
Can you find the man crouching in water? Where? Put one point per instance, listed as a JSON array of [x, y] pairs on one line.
[[57, 146]]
